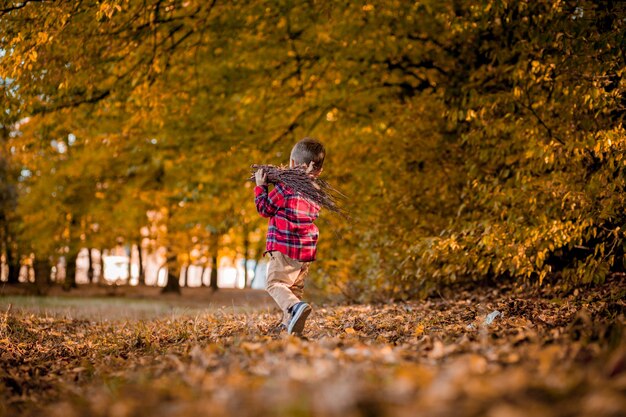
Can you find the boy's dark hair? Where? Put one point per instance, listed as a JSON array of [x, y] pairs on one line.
[[309, 150]]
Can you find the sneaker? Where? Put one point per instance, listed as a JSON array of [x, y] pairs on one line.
[[299, 313]]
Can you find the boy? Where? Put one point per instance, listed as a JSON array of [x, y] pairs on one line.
[[291, 235]]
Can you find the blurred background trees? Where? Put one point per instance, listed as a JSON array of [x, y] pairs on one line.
[[477, 140]]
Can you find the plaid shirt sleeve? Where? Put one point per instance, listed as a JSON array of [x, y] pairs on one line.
[[267, 204]]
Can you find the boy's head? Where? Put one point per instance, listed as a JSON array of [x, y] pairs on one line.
[[309, 152]]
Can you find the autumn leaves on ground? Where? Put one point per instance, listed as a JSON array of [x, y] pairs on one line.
[[486, 352]]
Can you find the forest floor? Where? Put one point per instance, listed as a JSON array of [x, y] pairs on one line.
[[483, 352]]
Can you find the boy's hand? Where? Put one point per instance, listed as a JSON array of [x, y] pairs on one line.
[[260, 177]]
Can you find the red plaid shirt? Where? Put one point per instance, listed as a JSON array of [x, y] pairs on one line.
[[291, 229]]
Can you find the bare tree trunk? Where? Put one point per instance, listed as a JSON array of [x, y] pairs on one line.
[[173, 274], [215, 247], [73, 243], [14, 267], [172, 283], [3, 245], [204, 268], [13, 260], [142, 275], [256, 263], [101, 276], [90, 274], [184, 276], [2, 265], [70, 272], [130, 263], [202, 275], [3, 249], [213, 280], [42, 267]]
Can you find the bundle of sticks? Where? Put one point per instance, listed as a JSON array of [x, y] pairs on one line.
[[312, 188]]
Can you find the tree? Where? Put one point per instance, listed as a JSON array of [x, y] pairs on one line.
[[477, 140], [8, 202]]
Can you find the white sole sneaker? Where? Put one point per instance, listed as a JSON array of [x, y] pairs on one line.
[[298, 319]]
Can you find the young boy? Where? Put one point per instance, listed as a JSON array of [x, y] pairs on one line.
[[291, 235]]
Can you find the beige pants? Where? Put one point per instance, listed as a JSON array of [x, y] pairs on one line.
[[285, 281]]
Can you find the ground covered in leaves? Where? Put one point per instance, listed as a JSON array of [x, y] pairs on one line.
[[480, 353]]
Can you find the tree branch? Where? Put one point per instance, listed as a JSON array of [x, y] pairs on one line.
[[75, 103], [541, 122], [18, 6]]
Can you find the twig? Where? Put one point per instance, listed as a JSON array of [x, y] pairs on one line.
[[312, 188]]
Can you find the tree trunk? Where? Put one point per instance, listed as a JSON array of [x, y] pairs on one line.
[[204, 268], [90, 275], [70, 272], [14, 268], [101, 279], [213, 281], [130, 263], [3, 247], [173, 274], [184, 276], [202, 275], [142, 275], [42, 267], [70, 258], [256, 263], [13, 260]]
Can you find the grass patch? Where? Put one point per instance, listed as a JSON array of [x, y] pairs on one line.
[[112, 308]]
